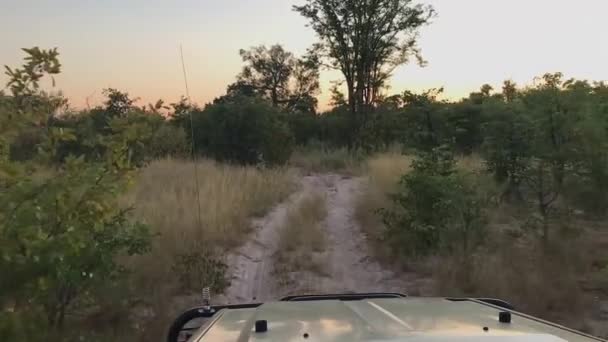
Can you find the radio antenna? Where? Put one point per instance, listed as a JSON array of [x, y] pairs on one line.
[[193, 146]]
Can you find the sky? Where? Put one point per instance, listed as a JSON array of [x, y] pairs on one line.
[[133, 45]]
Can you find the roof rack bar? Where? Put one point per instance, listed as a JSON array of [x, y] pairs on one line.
[[343, 297], [496, 302]]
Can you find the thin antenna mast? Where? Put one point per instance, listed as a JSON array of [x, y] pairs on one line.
[[198, 190]]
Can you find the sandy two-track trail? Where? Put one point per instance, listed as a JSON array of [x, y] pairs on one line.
[[348, 267]]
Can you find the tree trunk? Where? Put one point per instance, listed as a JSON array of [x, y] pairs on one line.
[[275, 97], [352, 104], [543, 206]]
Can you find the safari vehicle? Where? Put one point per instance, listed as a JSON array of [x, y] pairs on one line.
[[368, 317]]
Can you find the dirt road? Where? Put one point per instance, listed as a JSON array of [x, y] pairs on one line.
[[348, 265]]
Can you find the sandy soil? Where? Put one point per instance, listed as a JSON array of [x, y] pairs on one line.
[[348, 265]]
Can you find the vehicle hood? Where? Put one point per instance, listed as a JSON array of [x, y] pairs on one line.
[[407, 319]]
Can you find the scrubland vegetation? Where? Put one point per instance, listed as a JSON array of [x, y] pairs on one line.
[[562, 282], [503, 193]]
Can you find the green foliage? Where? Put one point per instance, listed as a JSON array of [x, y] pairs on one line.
[[61, 227], [25, 114], [507, 144], [425, 122], [117, 103], [305, 127], [589, 188], [277, 76], [168, 141], [149, 134], [136, 131], [436, 210], [245, 131], [464, 122], [335, 127], [25, 81], [61, 234], [345, 30]]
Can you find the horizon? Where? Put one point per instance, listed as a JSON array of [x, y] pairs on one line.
[[136, 49]]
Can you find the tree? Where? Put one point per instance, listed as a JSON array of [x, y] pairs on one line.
[[276, 75], [554, 115], [245, 131], [507, 143], [556, 109], [425, 125], [509, 90], [464, 121], [486, 90], [25, 81], [366, 40], [155, 108], [118, 103]]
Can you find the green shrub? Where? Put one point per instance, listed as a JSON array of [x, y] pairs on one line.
[[244, 131], [61, 227], [168, 141], [507, 144], [437, 209], [304, 126], [336, 128], [24, 146]]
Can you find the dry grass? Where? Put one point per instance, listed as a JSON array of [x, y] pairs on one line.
[[165, 198], [558, 282], [383, 174], [302, 238], [472, 163], [316, 160]]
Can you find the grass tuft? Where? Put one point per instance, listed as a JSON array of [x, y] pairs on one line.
[[302, 238]]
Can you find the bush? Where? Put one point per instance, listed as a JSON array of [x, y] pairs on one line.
[[62, 236], [168, 141], [589, 190], [24, 146], [507, 145], [304, 126], [336, 128], [149, 136], [436, 210], [244, 131], [62, 227]]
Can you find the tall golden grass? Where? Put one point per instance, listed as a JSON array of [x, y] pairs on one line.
[[165, 198], [383, 172], [301, 238]]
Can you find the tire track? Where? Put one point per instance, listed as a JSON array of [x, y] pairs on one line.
[[348, 265]]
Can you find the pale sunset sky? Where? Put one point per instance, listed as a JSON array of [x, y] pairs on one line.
[[133, 45]]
